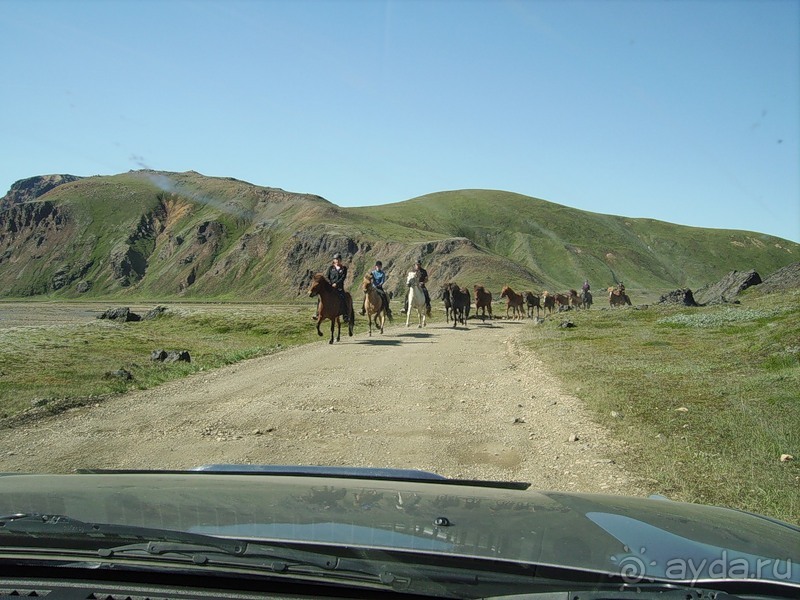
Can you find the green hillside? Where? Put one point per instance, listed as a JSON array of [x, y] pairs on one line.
[[148, 234], [561, 245]]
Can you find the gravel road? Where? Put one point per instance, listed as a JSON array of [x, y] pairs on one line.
[[466, 403]]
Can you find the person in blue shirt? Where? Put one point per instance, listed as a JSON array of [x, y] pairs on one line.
[[379, 280]]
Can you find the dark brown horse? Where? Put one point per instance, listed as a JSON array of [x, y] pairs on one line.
[[483, 301], [330, 306], [459, 303], [532, 301], [514, 302], [586, 299], [444, 295]]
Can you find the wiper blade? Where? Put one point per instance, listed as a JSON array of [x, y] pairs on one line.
[[64, 526], [193, 548]]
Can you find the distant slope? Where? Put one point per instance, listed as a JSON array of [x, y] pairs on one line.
[[160, 235], [560, 245]]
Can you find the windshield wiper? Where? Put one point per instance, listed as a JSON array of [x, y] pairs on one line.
[[159, 542], [192, 549]]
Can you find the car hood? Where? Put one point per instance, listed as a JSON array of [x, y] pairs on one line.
[[636, 538]]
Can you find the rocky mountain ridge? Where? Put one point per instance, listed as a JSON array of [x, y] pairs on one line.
[[169, 235]]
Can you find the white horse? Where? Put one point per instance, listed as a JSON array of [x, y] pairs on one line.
[[416, 299]]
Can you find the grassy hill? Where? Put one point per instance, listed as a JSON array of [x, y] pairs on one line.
[[561, 245], [148, 234]]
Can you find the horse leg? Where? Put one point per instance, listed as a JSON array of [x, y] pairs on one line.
[[333, 325], [319, 322]]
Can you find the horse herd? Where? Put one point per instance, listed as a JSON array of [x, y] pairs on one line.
[[519, 305], [457, 303]]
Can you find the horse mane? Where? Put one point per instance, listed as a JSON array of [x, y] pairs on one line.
[[368, 280], [322, 280]]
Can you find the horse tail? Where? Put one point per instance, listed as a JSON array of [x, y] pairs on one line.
[[387, 313], [350, 318]]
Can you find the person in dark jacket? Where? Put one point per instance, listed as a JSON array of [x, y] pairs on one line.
[[336, 275], [423, 279]]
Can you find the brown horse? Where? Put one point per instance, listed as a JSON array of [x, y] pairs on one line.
[[330, 306], [532, 301], [373, 304], [618, 297], [548, 301], [514, 302], [574, 299], [562, 301], [483, 301]]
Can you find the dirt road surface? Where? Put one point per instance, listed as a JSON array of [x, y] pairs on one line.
[[466, 403]]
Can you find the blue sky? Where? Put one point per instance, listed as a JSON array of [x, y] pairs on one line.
[[684, 111]]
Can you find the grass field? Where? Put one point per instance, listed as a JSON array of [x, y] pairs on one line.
[[43, 365], [708, 398]]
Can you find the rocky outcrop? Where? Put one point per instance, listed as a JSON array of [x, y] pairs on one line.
[[31, 188], [728, 287], [786, 278], [683, 296]]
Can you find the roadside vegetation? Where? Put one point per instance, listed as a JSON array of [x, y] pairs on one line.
[[707, 398], [61, 366]]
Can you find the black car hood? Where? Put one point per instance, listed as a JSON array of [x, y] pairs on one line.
[[636, 538]]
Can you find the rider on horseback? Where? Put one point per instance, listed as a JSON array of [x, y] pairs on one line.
[[378, 279], [336, 274], [423, 278]]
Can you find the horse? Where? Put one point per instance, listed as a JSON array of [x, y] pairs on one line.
[[416, 299], [586, 299], [532, 300], [617, 297], [467, 302], [548, 301], [330, 306], [514, 302], [444, 295], [562, 301], [574, 299], [483, 301], [373, 304], [460, 301]]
